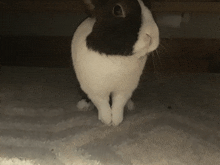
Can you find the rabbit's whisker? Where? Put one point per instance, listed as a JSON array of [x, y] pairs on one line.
[[153, 60], [157, 53]]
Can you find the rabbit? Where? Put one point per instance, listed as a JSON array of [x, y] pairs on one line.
[[109, 50]]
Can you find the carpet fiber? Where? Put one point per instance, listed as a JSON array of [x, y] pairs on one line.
[[176, 121]]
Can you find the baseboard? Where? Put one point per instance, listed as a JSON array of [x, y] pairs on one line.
[[173, 55]]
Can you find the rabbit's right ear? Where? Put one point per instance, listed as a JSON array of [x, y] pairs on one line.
[[92, 5], [89, 4]]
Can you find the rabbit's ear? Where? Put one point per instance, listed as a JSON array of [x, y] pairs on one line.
[[89, 4], [118, 11]]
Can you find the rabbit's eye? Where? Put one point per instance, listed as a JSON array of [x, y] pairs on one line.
[[118, 11]]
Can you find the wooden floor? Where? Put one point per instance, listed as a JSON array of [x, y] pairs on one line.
[[173, 55]]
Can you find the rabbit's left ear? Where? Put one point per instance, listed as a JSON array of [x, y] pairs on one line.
[[118, 11]]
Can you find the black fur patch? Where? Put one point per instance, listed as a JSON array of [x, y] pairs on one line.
[[115, 35]]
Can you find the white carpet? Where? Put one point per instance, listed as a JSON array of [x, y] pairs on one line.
[[176, 121]]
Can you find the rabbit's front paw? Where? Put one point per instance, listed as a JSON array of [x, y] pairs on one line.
[[117, 120], [117, 117], [105, 117]]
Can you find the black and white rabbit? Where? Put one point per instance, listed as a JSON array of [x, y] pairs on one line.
[[109, 51]]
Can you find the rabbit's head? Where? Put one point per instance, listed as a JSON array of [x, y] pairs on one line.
[[122, 27]]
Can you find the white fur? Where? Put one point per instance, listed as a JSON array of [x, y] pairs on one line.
[[148, 39], [82, 105], [102, 75], [130, 105]]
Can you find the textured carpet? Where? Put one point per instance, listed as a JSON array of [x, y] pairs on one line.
[[176, 121]]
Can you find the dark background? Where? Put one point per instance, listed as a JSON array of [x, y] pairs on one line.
[[38, 33]]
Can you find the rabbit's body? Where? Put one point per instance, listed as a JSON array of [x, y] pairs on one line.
[[101, 75]]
